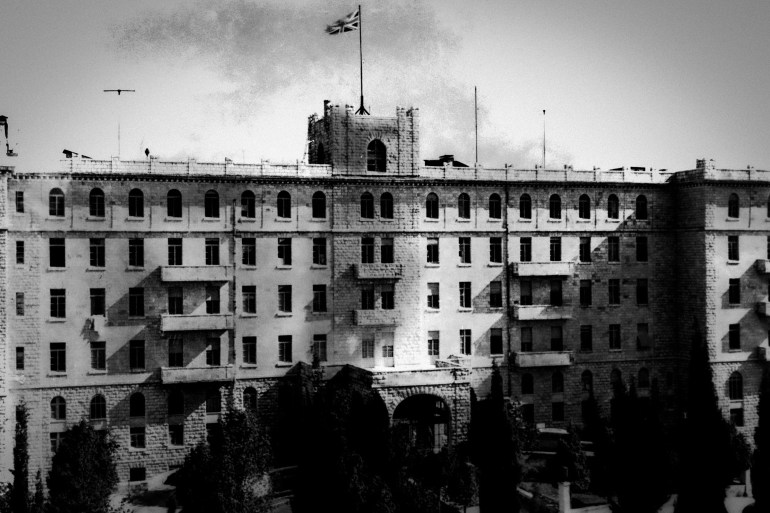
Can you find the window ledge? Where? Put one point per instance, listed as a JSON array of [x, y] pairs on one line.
[[173, 219], [283, 219], [92, 219], [133, 219], [581, 220], [211, 219], [249, 315], [56, 319], [732, 219], [133, 269], [56, 374], [610, 220], [137, 449], [553, 220], [318, 220], [494, 220], [733, 262], [283, 267], [325, 312], [368, 220], [283, 365], [97, 372], [464, 265], [318, 266], [387, 220], [430, 220], [462, 220], [495, 264], [248, 366], [284, 314], [434, 266], [247, 220], [57, 269], [95, 269], [248, 267], [613, 305], [616, 350], [432, 310], [137, 371], [463, 309], [735, 351], [55, 218], [613, 262]]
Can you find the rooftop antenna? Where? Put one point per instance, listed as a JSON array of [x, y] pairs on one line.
[[476, 122], [543, 139], [119, 91], [8, 151]]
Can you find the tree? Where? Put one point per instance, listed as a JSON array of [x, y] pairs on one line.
[[760, 468], [19, 500], [597, 430], [38, 500], [570, 463], [83, 474], [462, 485]]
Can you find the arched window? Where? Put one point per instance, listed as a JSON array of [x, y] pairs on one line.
[[96, 203], [613, 207], [554, 207], [557, 383], [284, 205], [250, 399], [375, 156], [644, 378], [641, 207], [616, 380], [527, 384], [525, 207], [319, 205], [584, 207], [587, 380], [386, 205], [495, 207], [136, 405], [248, 205], [733, 206], [175, 402], [463, 206], [56, 203], [58, 408], [174, 203], [136, 203], [367, 205], [735, 386], [320, 154], [211, 204], [98, 410], [431, 206]]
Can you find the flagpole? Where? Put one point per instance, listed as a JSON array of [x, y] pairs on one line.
[[361, 109], [543, 139], [476, 123]]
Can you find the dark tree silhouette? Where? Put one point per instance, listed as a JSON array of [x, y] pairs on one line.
[[20, 487], [760, 468]]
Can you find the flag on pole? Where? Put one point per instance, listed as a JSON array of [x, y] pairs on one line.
[[347, 24]]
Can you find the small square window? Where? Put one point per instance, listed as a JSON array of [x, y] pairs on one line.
[[20, 202], [20, 303], [137, 438], [176, 434], [367, 348], [19, 251], [19, 358]]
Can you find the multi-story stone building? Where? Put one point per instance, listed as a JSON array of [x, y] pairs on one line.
[[142, 295]]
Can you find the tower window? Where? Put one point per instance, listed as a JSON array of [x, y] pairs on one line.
[[375, 156]]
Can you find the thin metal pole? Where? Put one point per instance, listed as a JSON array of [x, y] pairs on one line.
[[476, 121], [361, 108], [543, 139]]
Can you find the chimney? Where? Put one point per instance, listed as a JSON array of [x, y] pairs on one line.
[[700, 164]]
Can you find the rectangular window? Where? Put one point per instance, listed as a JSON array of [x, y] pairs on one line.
[[58, 357], [613, 291], [367, 250], [56, 252], [319, 346], [734, 337], [136, 302], [319, 298], [56, 439], [319, 251], [19, 251], [20, 303], [174, 251], [433, 295], [136, 252], [58, 303], [525, 287], [212, 300], [732, 248], [367, 348], [19, 358], [20, 202], [250, 350], [557, 411], [556, 293], [768, 246], [175, 351], [137, 437], [586, 337], [284, 298], [465, 294], [496, 294], [736, 415], [555, 249], [496, 250], [614, 334], [557, 341], [98, 301], [98, 355], [496, 341], [465, 342], [386, 250], [734, 291], [387, 351], [136, 354], [585, 249], [249, 293], [642, 336], [284, 251], [465, 250], [433, 344], [387, 295], [641, 291], [212, 251], [433, 251], [175, 301], [525, 249], [249, 251], [613, 249], [586, 295], [284, 348], [176, 434], [367, 298], [641, 249], [96, 252], [213, 351], [526, 339]]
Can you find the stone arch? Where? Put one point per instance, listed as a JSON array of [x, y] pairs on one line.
[[425, 420]]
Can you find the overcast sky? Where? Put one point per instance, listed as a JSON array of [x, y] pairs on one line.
[[652, 83]]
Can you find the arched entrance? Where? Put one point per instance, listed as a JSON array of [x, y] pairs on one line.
[[424, 421]]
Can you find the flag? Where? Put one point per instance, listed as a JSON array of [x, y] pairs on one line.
[[347, 24]]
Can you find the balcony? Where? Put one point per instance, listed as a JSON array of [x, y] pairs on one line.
[[763, 266], [376, 317], [544, 359], [213, 322], [542, 268], [763, 308], [541, 312], [379, 271], [175, 375], [203, 273]]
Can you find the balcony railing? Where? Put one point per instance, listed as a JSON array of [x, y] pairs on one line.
[[174, 375], [763, 266], [376, 317], [544, 359], [212, 322], [173, 273], [541, 312], [379, 271], [542, 268]]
